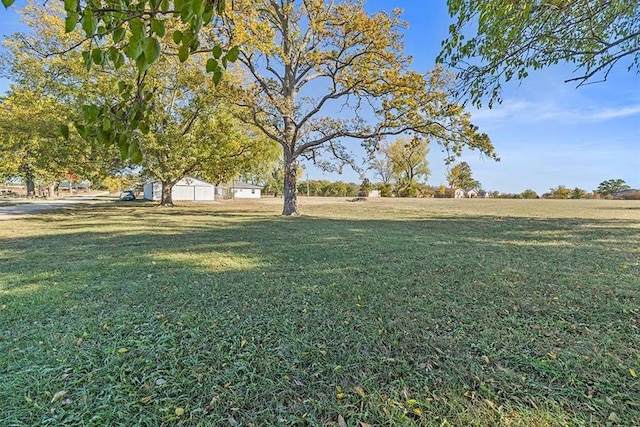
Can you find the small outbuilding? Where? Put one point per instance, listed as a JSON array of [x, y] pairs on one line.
[[242, 190], [187, 189]]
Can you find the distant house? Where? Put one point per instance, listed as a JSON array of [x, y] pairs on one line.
[[472, 194], [459, 194], [74, 186], [630, 194], [187, 189], [242, 190]]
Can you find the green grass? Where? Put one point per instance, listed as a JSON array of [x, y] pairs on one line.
[[387, 312]]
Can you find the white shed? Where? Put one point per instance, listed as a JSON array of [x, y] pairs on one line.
[[186, 189], [242, 190]]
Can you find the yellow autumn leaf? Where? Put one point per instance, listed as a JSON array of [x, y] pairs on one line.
[[340, 396], [552, 355], [105, 327], [418, 412], [633, 373], [122, 350], [179, 412], [359, 391], [146, 399]]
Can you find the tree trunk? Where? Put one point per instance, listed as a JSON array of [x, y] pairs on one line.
[[290, 177], [53, 189], [167, 198], [31, 188]]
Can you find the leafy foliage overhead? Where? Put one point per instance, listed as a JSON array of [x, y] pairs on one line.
[[115, 32], [508, 39]]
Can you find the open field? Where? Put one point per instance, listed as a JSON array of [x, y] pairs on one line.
[[381, 313]]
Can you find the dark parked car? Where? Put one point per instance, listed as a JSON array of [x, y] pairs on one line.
[[127, 195]]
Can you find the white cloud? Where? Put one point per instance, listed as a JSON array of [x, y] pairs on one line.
[[530, 112]]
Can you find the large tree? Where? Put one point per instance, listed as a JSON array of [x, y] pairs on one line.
[[495, 41], [408, 158], [460, 176], [47, 92], [194, 131], [115, 33], [325, 72], [610, 186]]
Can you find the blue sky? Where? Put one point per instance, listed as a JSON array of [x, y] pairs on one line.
[[546, 132]]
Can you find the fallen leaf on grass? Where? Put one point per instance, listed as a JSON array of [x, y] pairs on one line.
[[211, 406], [341, 421], [552, 355], [179, 412], [340, 396], [359, 391], [59, 395], [633, 373], [614, 418], [122, 350]]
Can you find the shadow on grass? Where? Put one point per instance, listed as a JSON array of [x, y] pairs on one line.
[[249, 318]]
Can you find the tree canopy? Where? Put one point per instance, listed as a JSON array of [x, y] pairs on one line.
[[610, 186], [491, 42], [460, 176], [139, 32], [323, 73]]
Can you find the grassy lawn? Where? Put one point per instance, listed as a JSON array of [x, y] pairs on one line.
[[381, 313]]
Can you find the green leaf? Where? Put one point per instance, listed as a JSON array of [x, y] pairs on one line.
[[183, 53], [7, 3], [217, 76], [197, 6], [118, 34], [64, 131], [151, 49], [134, 50], [142, 63], [164, 6], [70, 5], [124, 150], [233, 54], [118, 61], [89, 23], [177, 36], [144, 127], [97, 56], [212, 65], [136, 156], [70, 21], [136, 27], [217, 52], [87, 61], [207, 16], [158, 27]]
